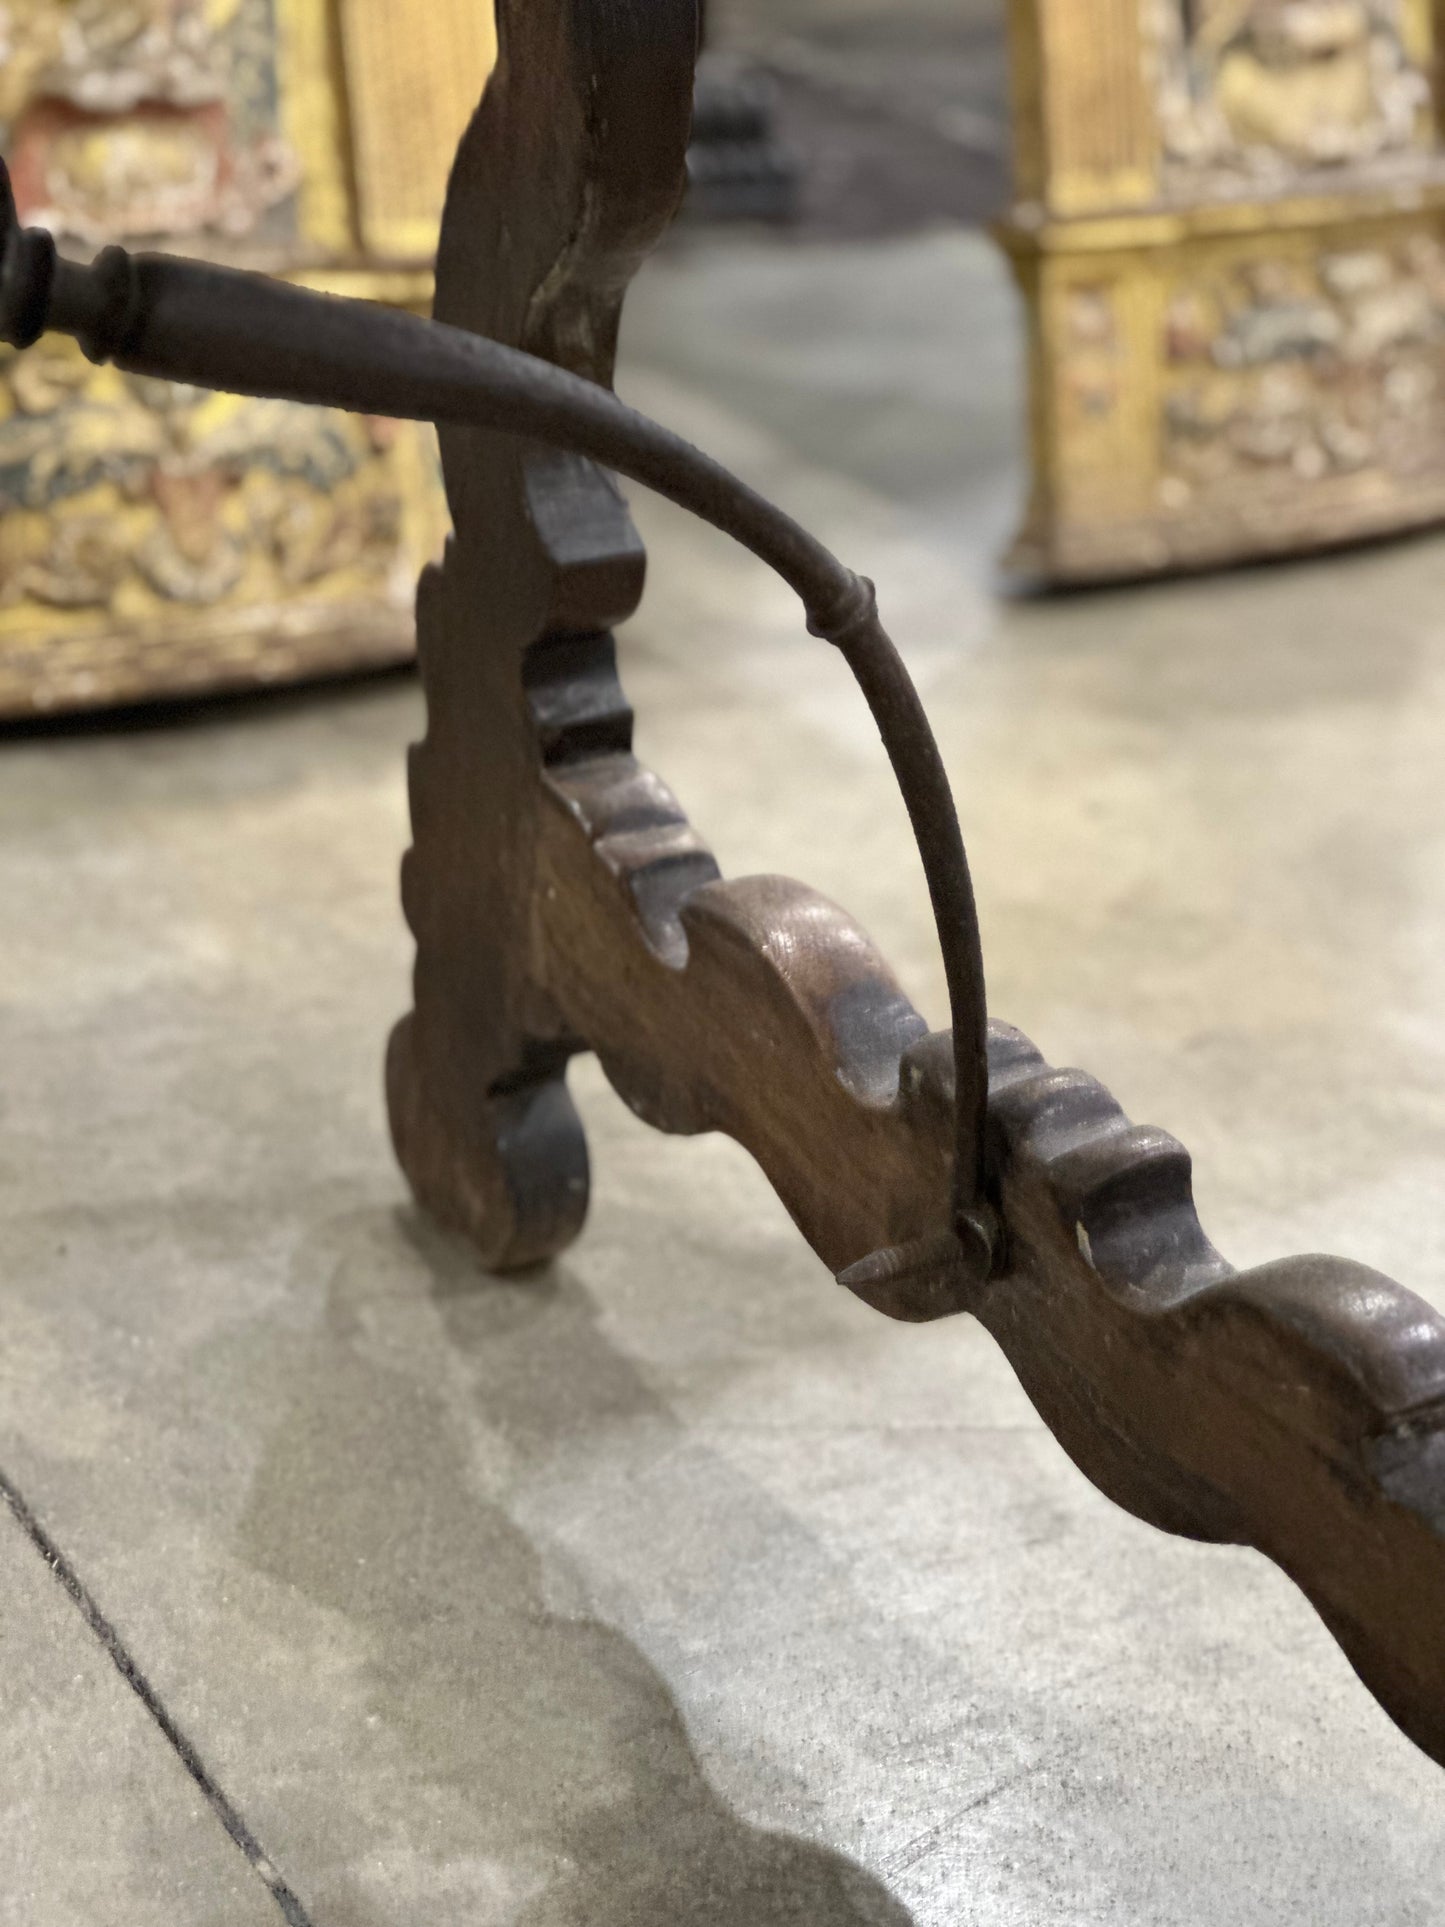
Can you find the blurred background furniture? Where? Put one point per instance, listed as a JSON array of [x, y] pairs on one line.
[[737, 168], [1228, 235], [895, 117], [155, 540]]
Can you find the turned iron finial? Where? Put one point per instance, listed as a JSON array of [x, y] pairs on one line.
[[28, 262], [40, 291]]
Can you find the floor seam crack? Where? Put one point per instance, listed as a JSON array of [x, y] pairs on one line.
[[220, 1803]]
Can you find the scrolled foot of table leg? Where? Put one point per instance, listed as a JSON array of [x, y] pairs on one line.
[[513, 1179]]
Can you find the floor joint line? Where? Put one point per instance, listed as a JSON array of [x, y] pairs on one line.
[[220, 1803]]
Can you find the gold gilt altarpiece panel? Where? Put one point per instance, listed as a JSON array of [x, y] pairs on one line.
[[154, 539], [1230, 235]]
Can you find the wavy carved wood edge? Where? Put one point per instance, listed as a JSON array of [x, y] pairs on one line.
[[561, 902]]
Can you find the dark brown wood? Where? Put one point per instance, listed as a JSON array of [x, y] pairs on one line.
[[566, 178], [561, 902], [571, 170]]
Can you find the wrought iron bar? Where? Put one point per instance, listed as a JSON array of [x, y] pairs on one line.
[[248, 334]]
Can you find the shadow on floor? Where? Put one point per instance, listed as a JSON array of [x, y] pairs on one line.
[[515, 1735], [222, 708]]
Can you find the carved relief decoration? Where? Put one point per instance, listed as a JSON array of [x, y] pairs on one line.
[[1251, 91], [1284, 372], [155, 538], [129, 119], [181, 491], [1244, 355], [132, 508]]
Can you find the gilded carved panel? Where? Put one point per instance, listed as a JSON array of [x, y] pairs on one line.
[[1251, 92], [155, 537], [1306, 369], [1248, 358], [124, 120], [118, 491]]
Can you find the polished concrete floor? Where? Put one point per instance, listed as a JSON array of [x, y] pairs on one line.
[[671, 1588]]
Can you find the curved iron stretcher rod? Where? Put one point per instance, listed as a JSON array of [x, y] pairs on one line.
[[248, 334]]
